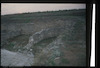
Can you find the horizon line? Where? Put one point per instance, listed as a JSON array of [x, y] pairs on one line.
[[43, 11]]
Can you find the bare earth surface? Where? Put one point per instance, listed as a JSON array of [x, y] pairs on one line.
[[52, 38], [9, 58]]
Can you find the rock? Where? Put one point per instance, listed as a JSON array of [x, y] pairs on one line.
[[51, 53], [57, 58], [43, 34], [30, 49], [9, 58], [19, 50]]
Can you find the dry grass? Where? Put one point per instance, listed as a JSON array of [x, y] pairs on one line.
[[16, 43], [74, 55]]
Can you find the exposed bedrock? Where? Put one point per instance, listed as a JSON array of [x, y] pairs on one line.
[[52, 52], [11, 29], [9, 58], [46, 33]]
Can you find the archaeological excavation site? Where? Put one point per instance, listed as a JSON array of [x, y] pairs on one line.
[[49, 38]]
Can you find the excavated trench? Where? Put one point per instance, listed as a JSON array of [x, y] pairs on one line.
[[18, 44], [46, 48], [56, 39]]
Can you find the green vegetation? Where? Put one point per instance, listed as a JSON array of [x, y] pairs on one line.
[[52, 62], [42, 44], [38, 16], [45, 41], [71, 52], [64, 61], [10, 46], [16, 43], [76, 35]]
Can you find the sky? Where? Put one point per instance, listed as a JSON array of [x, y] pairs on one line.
[[13, 8]]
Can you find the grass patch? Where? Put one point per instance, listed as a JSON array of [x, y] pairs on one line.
[[75, 35], [16, 43], [64, 61], [29, 17], [43, 59], [9, 46], [52, 62], [45, 41], [42, 44]]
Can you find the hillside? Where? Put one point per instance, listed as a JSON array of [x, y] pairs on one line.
[[55, 38]]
